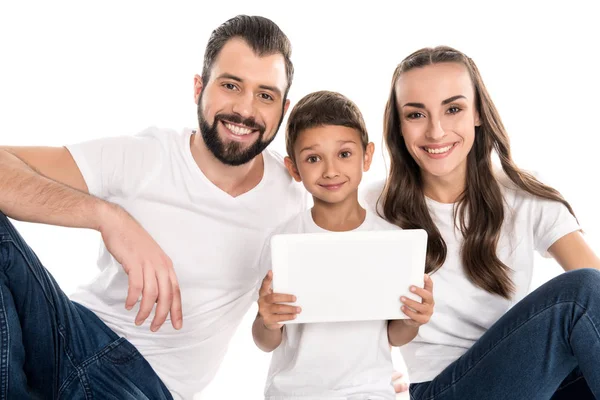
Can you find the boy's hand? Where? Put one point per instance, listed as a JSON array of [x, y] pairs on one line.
[[272, 313], [419, 313]]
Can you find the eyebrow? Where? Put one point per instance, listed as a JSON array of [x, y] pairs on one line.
[[226, 75], [313, 147], [448, 100]]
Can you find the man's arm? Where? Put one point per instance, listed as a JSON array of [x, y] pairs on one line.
[[44, 184]]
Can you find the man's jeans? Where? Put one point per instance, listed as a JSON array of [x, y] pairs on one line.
[[51, 347], [546, 347]]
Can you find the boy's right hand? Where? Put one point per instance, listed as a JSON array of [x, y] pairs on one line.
[[273, 313]]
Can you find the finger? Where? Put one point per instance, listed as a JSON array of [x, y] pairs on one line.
[[415, 316], [400, 387], [277, 318], [283, 309], [266, 284], [280, 298], [149, 295], [397, 375], [427, 297], [428, 283], [136, 284], [176, 308], [165, 298], [415, 305]]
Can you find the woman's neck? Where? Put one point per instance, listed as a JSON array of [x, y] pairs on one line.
[[445, 189]]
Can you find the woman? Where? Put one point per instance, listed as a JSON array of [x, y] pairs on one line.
[[487, 338]]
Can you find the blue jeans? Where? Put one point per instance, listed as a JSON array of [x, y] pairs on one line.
[[53, 348], [546, 347]]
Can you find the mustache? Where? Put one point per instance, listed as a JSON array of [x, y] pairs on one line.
[[236, 119]]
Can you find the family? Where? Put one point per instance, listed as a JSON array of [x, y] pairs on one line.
[[186, 218]]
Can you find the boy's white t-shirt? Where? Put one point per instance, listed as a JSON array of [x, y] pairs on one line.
[[338, 360], [213, 239], [463, 312]]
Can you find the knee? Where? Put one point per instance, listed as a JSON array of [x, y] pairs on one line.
[[584, 280]]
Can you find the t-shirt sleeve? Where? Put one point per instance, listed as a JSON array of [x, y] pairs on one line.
[[116, 166], [551, 221]]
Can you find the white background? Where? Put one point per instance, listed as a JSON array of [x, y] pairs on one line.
[[74, 71]]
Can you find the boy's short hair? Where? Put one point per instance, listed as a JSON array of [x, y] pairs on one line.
[[320, 109]]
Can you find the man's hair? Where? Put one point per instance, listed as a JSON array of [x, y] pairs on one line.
[[320, 109], [262, 35]]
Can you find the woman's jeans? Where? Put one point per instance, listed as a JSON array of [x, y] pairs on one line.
[[546, 347]]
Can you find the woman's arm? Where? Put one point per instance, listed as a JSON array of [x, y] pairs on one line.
[[572, 252]]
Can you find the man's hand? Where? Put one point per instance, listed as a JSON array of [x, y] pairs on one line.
[[150, 270], [271, 312]]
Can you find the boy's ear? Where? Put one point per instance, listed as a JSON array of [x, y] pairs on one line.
[[291, 167], [369, 151]]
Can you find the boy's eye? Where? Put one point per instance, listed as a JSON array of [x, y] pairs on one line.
[[345, 154], [312, 159]]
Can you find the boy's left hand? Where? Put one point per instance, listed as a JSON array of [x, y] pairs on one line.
[[419, 312]]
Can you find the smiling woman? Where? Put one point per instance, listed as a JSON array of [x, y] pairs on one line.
[[441, 130]]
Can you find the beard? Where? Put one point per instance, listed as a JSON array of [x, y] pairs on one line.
[[233, 153]]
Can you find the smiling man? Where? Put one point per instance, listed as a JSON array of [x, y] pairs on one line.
[[183, 218]]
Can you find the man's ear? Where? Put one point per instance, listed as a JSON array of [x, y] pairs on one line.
[[291, 167], [369, 151], [198, 86], [285, 107]]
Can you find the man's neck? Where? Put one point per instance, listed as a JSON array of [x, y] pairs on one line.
[[233, 180]]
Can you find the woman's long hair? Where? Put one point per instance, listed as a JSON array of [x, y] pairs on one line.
[[480, 208]]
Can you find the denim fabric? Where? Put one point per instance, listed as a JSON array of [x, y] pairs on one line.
[[54, 348]]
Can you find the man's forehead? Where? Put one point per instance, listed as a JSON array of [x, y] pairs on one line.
[[236, 58]]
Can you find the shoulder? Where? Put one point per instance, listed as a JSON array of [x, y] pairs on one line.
[[369, 194], [516, 198], [280, 179], [294, 224], [381, 224]]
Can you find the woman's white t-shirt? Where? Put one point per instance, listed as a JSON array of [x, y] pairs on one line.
[[463, 311]]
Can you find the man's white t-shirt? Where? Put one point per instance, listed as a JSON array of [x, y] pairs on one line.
[[338, 360], [463, 311], [214, 240]]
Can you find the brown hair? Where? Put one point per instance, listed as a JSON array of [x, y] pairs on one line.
[[323, 108], [262, 35], [480, 208]]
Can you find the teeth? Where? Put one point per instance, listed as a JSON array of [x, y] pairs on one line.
[[238, 130], [438, 151]]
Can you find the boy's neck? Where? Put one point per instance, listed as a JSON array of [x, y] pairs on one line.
[[338, 217]]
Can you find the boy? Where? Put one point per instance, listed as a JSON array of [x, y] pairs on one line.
[[328, 150]]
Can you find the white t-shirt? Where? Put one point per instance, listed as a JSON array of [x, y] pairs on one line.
[[339, 360], [464, 312], [213, 239]]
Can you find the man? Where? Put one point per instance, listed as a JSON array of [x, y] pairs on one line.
[[183, 217]]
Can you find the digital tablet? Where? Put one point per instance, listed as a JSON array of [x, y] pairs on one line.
[[349, 276]]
